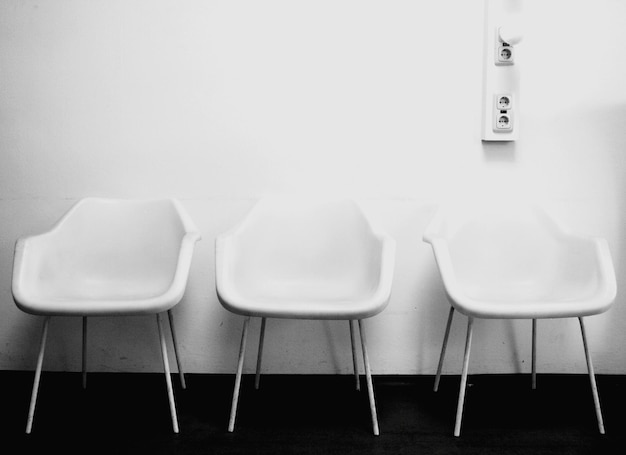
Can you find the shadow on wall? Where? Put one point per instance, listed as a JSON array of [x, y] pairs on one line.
[[609, 127], [499, 152], [417, 295], [429, 301]]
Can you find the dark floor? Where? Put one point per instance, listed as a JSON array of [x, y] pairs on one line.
[[128, 413]]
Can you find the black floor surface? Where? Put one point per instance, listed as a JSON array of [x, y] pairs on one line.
[[123, 413]]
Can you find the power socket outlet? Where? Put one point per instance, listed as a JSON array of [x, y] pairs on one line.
[[503, 113], [505, 54], [503, 101], [504, 122]]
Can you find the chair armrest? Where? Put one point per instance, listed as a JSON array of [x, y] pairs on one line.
[[183, 265], [387, 264], [222, 261], [606, 269], [21, 261], [443, 259]]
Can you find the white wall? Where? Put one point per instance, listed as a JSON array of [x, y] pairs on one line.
[[220, 102]]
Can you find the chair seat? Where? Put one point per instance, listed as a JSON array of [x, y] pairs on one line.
[[101, 296], [492, 304], [536, 299], [97, 305], [304, 302]]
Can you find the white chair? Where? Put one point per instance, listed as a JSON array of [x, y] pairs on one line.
[[304, 259], [107, 257], [512, 261]]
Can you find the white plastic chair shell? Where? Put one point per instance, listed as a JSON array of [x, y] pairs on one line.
[[516, 262], [304, 259], [107, 257], [511, 260]]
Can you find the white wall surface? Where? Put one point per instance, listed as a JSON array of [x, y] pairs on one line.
[[218, 103]]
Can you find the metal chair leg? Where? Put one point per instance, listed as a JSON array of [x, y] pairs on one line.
[[368, 376], [242, 351], [355, 361], [181, 374], [592, 378], [84, 367], [534, 357], [33, 396], [459, 409], [168, 379], [443, 349], [257, 376]]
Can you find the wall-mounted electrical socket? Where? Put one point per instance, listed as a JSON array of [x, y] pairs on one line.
[[504, 101], [503, 112], [503, 122], [505, 40], [505, 54]]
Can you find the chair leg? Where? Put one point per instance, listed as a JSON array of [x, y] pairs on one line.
[[242, 350], [33, 396], [168, 379], [443, 349], [534, 357], [592, 378], [355, 361], [459, 409], [84, 368], [181, 373], [368, 376], [257, 376]]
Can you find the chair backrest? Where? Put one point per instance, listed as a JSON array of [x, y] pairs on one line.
[[287, 241], [103, 242], [515, 243]]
